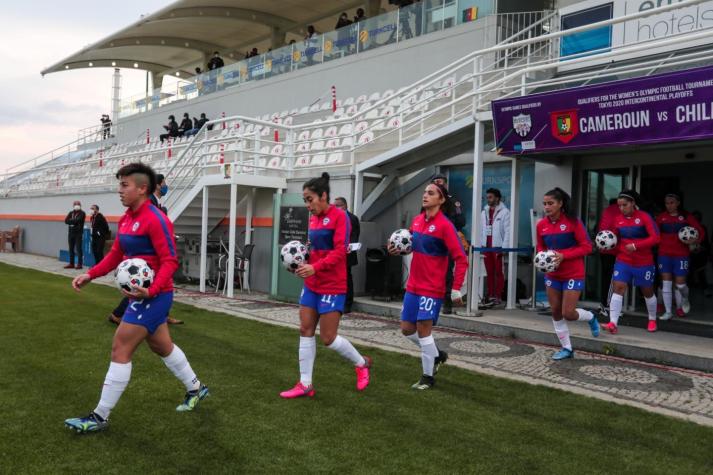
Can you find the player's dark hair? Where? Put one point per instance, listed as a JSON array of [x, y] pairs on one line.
[[318, 185], [139, 168], [678, 197], [563, 197], [495, 192], [447, 207], [631, 195]]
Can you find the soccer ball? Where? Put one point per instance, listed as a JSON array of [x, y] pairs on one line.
[[133, 273], [606, 240], [293, 254], [545, 261], [401, 241], [688, 234]]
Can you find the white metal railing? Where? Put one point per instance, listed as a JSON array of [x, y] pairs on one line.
[[458, 90]]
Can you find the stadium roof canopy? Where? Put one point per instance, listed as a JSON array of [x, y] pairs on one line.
[[185, 33]]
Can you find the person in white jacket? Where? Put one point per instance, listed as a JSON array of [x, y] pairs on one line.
[[495, 232]]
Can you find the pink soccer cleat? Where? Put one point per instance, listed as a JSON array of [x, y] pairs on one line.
[[611, 328], [362, 373], [652, 327], [299, 390], [680, 313]]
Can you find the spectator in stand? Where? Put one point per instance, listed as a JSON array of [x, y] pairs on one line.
[[343, 36], [100, 233], [495, 233], [171, 129], [199, 71], [186, 124], [360, 16], [197, 124], [215, 62], [75, 220], [343, 21], [252, 53], [341, 203], [607, 258]]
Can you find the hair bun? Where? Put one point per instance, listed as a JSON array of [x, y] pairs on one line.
[[325, 175]]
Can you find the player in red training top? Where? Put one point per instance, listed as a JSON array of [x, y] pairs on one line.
[[637, 235], [146, 233], [673, 254], [564, 234], [325, 288], [434, 239]]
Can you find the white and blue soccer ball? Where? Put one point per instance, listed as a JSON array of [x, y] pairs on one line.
[[688, 234], [606, 240], [545, 261], [293, 254], [133, 273], [402, 241]]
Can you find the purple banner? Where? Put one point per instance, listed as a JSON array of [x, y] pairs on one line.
[[665, 108]]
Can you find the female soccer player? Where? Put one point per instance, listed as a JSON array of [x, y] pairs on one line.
[[673, 254], [325, 287], [146, 233], [563, 233], [634, 265], [434, 239]]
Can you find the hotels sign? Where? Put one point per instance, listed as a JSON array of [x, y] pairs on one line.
[[657, 109]]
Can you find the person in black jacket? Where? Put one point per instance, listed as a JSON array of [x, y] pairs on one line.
[[341, 203], [197, 124], [215, 62], [171, 129], [186, 124], [100, 233], [75, 220]]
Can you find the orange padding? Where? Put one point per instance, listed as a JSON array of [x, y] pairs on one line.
[[49, 217], [258, 222]]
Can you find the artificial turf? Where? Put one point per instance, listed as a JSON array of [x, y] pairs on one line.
[[55, 347]]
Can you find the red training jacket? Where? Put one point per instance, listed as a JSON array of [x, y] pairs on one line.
[[328, 243], [146, 233], [606, 223], [433, 240], [670, 226], [639, 229], [569, 237]]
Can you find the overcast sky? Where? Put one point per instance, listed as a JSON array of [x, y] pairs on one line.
[[38, 114]]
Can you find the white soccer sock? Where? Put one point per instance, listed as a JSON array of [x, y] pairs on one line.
[[429, 352], [584, 315], [307, 354], [414, 338], [562, 331], [117, 377], [667, 294], [681, 294], [651, 306], [181, 368], [615, 304], [347, 350]]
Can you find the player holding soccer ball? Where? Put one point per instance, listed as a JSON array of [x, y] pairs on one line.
[[560, 231], [146, 233], [325, 288], [637, 235], [674, 254], [434, 239]]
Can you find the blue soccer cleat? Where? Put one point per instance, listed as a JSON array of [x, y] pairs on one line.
[[193, 398], [85, 425], [563, 354], [594, 326]]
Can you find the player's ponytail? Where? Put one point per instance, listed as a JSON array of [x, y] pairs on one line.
[[318, 185], [447, 207], [558, 194]]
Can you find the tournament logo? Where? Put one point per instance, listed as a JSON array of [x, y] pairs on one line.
[[135, 226], [431, 228], [522, 124], [564, 125], [637, 221], [325, 221], [563, 227], [680, 217]]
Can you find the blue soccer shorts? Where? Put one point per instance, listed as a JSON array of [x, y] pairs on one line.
[[641, 276], [322, 303], [677, 266], [149, 313], [418, 308], [565, 284]]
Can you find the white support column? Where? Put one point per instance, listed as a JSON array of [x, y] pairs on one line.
[[231, 238], [204, 239], [358, 193], [249, 234], [476, 206], [514, 238]]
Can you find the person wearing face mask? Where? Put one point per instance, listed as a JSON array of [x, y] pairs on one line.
[[160, 191], [100, 233], [75, 220]]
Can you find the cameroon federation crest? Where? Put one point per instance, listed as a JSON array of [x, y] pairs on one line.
[[564, 125], [522, 124]]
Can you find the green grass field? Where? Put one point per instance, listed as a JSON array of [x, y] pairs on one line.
[[55, 348]]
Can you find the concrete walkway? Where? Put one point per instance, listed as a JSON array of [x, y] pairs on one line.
[[682, 393]]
